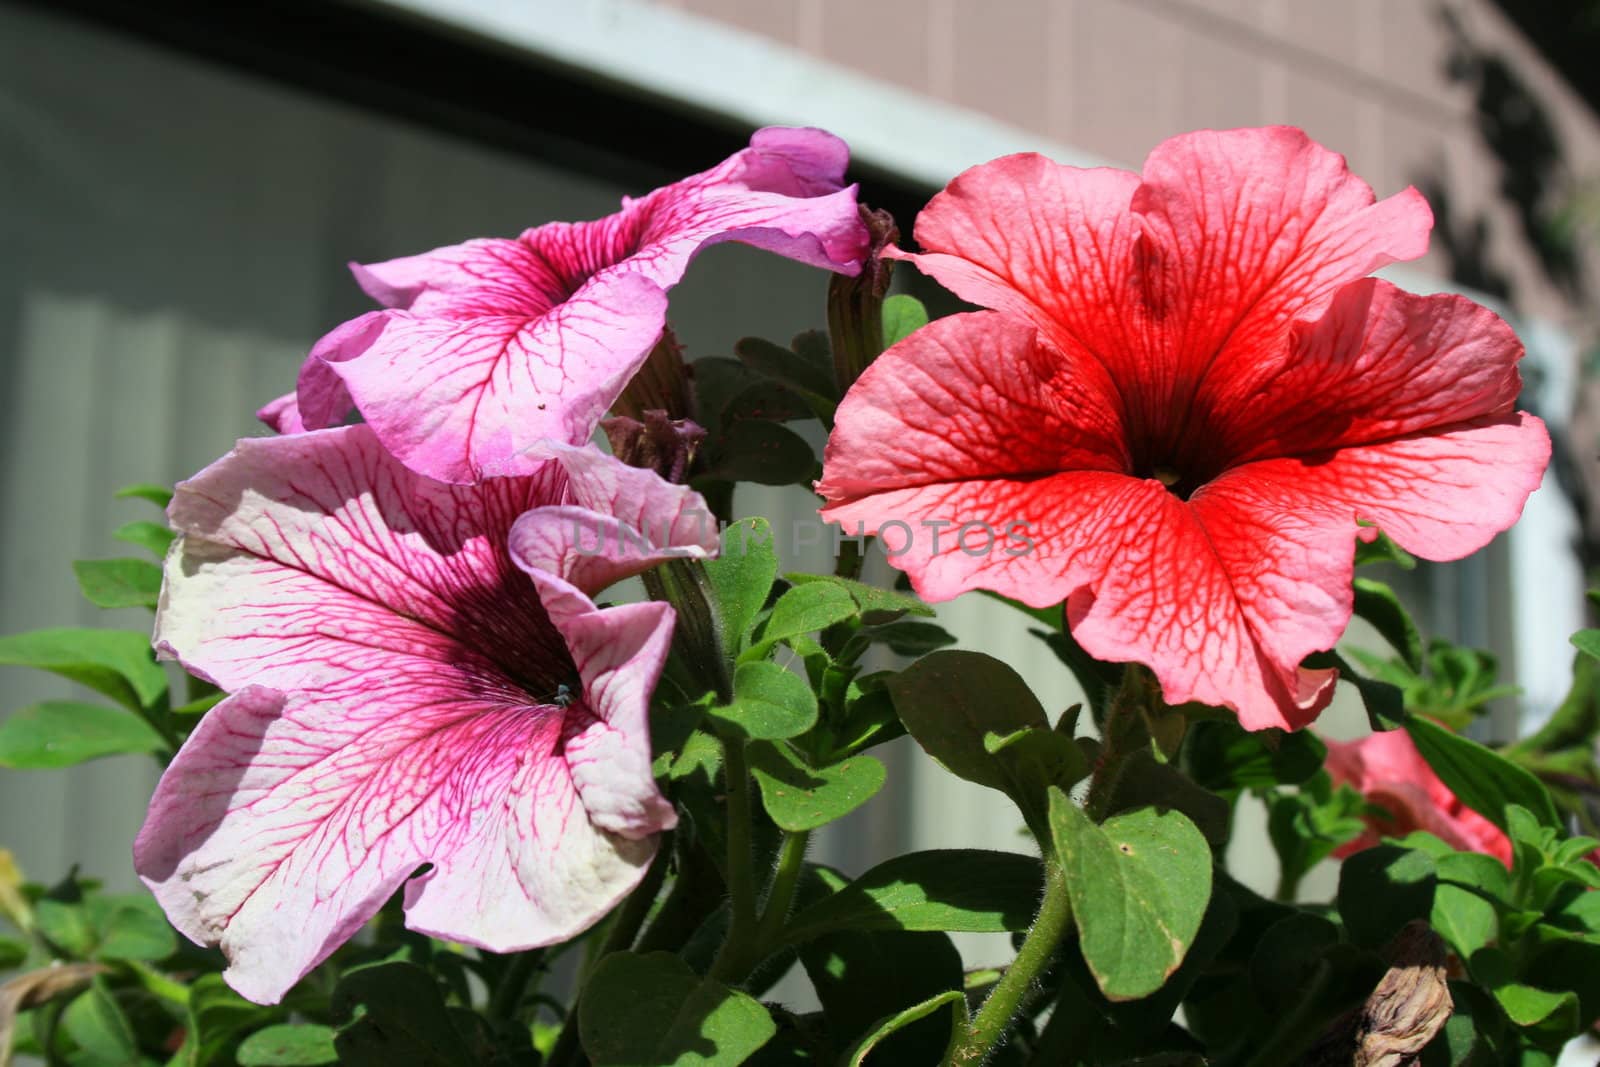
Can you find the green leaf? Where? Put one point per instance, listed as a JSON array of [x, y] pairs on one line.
[[12, 953], [1476, 871], [216, 1016], [1383, 550], [801, 797], [1588, 642], [1139, 884], [150, 536], [288, 1045], [799, 369], [1287, 957], [159, 495], [757, 450], [741, 577], [1145, 781], [1307, 825], [65, 924], [1224, 756], [96, 1022], [953, 998], [1385, 703], [62, 733], [119, 583], [951, 701], [392, 1013], [1483, 780], [647, 1010], [970, 890], [910, 638], [130, 927], [1528, 1006], [1465, 919], [901, 315], [116, 663], [967, 709], [806, 609], [1383, 888], [769, 703], [878, 606], [1377, 603], [726, 391], [862, 977]]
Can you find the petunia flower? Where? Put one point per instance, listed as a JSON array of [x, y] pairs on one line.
[[494, 344], [1388, 771], [423, 693], [1184, 408]]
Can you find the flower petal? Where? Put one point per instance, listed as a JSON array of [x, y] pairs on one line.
[[1440, 495], [1387, 770], [455, 399], [1139, 573], [401, 702], [493, 344], [971, 395], [1054, 244], [1380, 363], [1245, 231]]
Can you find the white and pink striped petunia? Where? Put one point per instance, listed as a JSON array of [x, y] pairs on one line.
[[419, 678], [493, 344]]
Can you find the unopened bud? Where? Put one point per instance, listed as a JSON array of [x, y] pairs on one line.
[[662, 384], [658, 443], [855, 305]]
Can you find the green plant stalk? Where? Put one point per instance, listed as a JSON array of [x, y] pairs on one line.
[[733, 961], [513, 984], [791, 864], [994, 1018], [158, 984], [1123, 733]]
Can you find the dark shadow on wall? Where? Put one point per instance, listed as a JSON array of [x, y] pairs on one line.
[[1536, 182], [1515, 127]]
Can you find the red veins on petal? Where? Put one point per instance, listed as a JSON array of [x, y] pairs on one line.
[[1187, 403], [418, 675], [491, 345]]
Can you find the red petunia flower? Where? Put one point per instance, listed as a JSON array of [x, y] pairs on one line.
[[1388, 770], [1195, 401]]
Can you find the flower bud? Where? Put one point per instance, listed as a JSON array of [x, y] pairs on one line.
[[855, 304]]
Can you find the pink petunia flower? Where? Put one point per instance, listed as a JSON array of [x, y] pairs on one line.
[[1185, 407], [1387, 770], [494, 344], [418, 677]]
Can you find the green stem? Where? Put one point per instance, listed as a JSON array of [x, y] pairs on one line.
[[159, 984], [852, 556], [1000, 1007], [733, 961], [791, 864], [513, 984], [689, 902]]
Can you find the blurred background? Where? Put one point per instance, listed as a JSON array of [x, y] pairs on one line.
[[181, 184]]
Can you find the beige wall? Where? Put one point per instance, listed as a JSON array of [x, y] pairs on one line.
[[1369, 78]]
